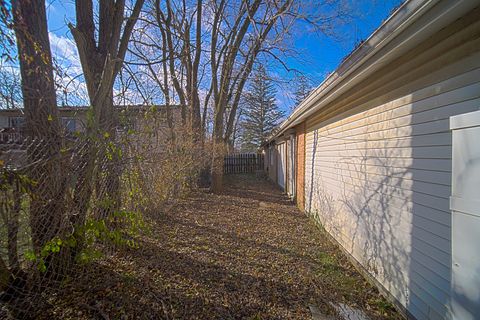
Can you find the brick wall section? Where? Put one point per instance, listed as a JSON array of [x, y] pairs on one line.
[[300, 165]]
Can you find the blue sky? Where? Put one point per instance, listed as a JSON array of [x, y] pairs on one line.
[[318, 55], [321, 55]]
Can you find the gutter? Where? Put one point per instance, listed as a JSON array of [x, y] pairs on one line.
[[407, 14]]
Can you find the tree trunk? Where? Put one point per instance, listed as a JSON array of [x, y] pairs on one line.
[[102, 51], [108, 187], [42, 121], [218, 153], [217, 173]]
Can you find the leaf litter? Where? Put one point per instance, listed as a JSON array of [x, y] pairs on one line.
[[248, 253]]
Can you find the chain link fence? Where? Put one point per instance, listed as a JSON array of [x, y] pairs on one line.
[[63, 207]]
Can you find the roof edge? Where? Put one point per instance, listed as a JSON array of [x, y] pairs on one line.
[[404, 16]]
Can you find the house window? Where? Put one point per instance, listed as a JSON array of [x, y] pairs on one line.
[[16, 122], [70, 124]]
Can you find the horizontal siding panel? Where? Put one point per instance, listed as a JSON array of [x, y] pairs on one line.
[[438, 216], [429, 176], [436, 139], [414, 130], [440, 282], [435, 292], [436, 190], [432, 235], [431, 250], [456, 75], [443, 106], [403, 207], [339, 193], [397, 178], [448, 110], [427, 297], [440, 269], [320, 139], [429, 218], [395, 198], [442, 230], [418, 308], [418, 123], [437, 126], [431, 202], [444, 165], [435, 240], [431, 152]]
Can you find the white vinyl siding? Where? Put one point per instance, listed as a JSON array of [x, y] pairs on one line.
[[281, 164], [379, 179], [290, 165]]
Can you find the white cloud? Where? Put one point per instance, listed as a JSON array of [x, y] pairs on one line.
[[64, 50], [72, 88]]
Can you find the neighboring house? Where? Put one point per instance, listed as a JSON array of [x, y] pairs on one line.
[[370, 155], [73, 120], [12, 122]]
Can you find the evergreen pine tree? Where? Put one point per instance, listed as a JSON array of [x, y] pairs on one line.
[[260, 112], [303, 89]]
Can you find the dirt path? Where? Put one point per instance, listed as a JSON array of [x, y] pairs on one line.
[[247, 254]]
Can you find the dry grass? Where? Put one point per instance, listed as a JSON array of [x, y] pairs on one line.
[[247, 254]]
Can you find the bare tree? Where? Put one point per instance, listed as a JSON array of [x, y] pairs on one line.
[[150, 63], [207, 49], [10, 88], [250, 29], [102, 49], [178, 26], [194, 46], [7, 37]]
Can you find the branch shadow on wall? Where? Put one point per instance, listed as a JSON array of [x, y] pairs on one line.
[[373, 198]]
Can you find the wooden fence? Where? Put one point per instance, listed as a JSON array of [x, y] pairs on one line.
[[243, 163]]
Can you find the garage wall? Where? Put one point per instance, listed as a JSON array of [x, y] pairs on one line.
[[281, 164], [272, 163], [378, 176], [290, 166]]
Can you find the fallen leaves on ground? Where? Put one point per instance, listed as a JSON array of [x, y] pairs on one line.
[[246, 254]]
